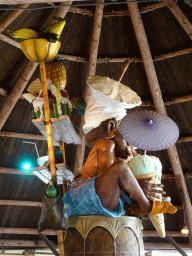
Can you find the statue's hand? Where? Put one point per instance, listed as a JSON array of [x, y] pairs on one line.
[[151, 190]]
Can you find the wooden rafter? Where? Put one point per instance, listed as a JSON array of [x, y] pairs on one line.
[[160, 107], [118, 60], [41, 137], [4, 170], [170, 102], [22, 135], [24, 243], [33, 231], [9, 41], [16, 92], [163, 246], [20, 203], [91, 71], [26, 231], [12, 16], [180, 16], [39, 243], [39, 204], [117, 13]]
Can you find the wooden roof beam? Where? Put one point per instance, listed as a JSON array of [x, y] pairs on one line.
[[39, 204], [12, 16], [91, 71], [180, 16], [118, 60], [26, 231], [22, 135], [41, 137], [34, 231], [16, 92], [170, 102], [20, 203], [163, 246], [39, 243], [160, 107], [23, 243], [117, 13]]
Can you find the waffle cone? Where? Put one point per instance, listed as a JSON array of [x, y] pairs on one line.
[[158, 223], [158, 219]]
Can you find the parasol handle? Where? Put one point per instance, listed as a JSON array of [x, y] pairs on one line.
[[124, 69], [48, 122]]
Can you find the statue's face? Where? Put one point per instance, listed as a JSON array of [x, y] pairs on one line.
[[121, 146]]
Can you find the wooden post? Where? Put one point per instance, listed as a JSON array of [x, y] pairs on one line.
[[91, 71], [12, 16], [48, 121], [16, 92], [180, 16], [160, 107]]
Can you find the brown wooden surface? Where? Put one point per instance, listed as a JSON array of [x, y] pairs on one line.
[[100, 242], [74, 243]]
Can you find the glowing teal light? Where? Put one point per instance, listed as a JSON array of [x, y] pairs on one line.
[[27, 166]]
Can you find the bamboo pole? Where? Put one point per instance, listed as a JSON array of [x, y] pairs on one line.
[[185, 139], [10, 41], [11, 16], [170, 102], [124, 69], [20, 203], [180, 16], [23, 243], [173, 54], [22, 135], [91, 71], [16, 92], [61, 12], [48, 122], [163, 246], [26, 231], [117, 13], [160, 107], [119, 60]]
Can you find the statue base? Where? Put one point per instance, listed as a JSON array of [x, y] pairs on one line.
[[102, 235]]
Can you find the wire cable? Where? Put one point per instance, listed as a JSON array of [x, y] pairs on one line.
[[77, 5]]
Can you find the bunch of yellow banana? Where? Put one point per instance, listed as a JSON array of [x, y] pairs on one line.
[[52, 31], [23, 34], [55, 28]]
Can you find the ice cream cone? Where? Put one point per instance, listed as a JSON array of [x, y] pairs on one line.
[[158, 219], [158, 223], [144, 167]]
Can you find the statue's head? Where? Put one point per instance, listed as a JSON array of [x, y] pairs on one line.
[[108, 129], [107, 103]]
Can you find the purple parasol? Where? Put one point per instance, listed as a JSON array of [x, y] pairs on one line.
[[149, 130]]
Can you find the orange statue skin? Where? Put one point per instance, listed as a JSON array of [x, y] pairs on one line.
[[107, 161]]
